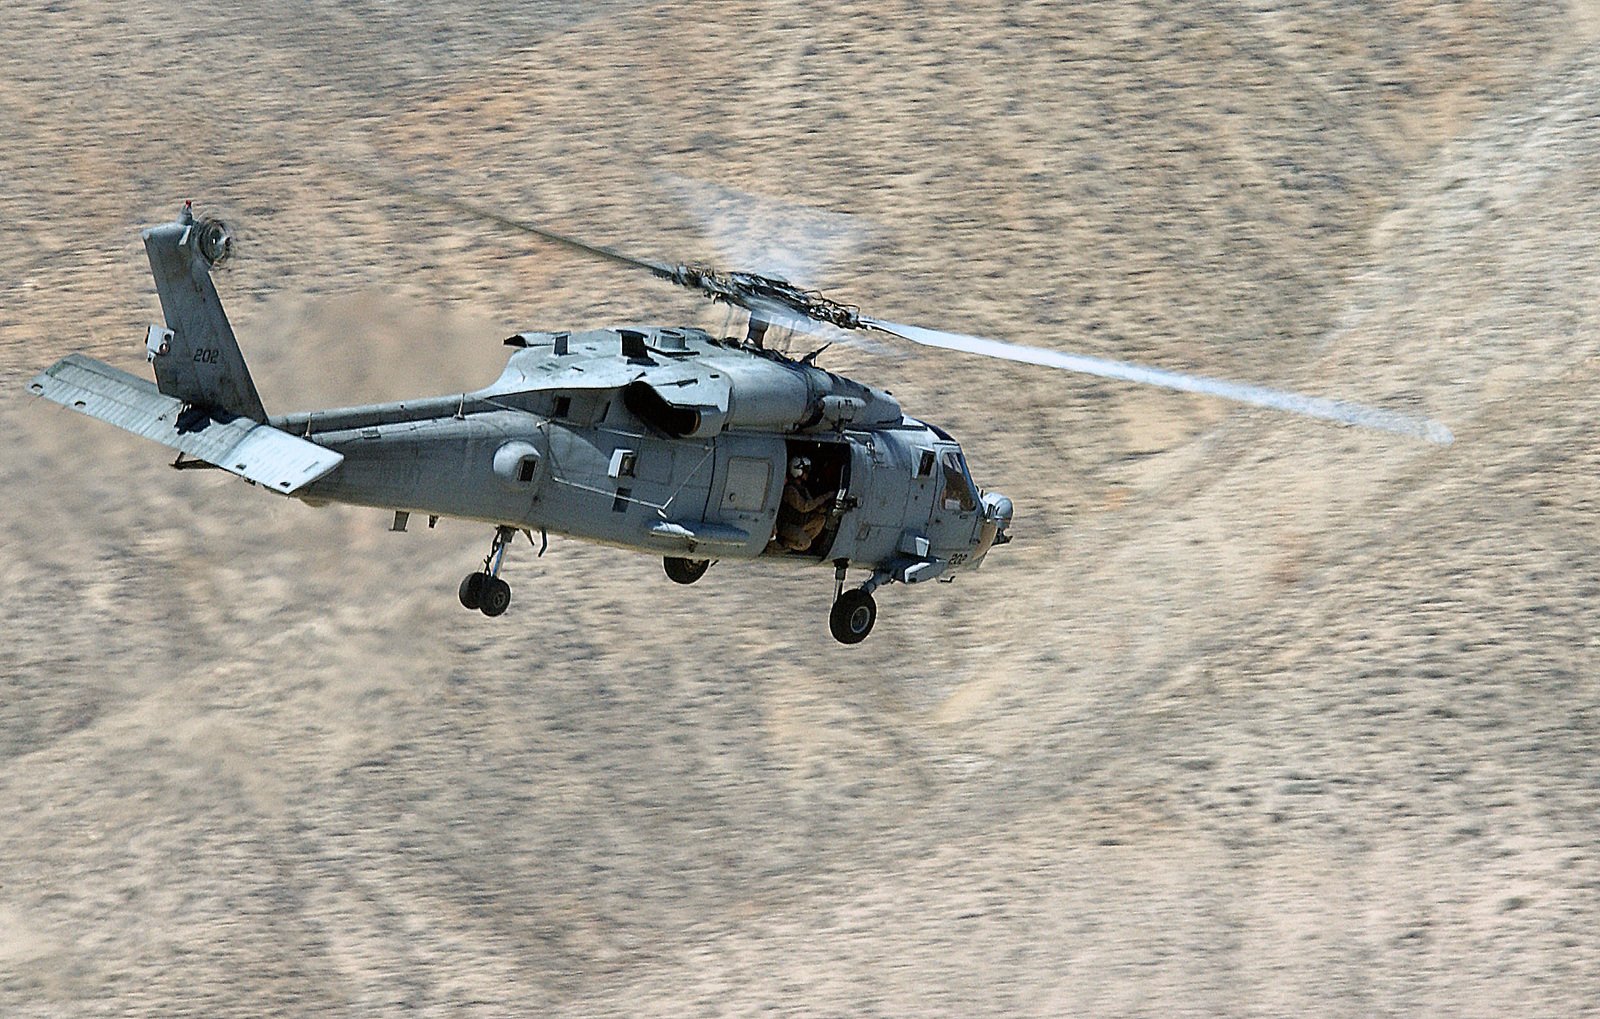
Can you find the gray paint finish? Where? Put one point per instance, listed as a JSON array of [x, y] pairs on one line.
[[253, 451], [203, 365], [656, 439]]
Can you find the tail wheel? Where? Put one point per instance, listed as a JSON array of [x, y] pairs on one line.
[[495, 597], [471, 590], [685, 571], [852, 617]]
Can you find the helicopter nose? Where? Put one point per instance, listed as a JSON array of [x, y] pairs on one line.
[[997, 511]]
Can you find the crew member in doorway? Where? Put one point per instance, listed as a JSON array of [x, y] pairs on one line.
[[801, 516]]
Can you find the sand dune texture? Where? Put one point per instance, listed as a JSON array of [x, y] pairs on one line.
[[1258, 716]]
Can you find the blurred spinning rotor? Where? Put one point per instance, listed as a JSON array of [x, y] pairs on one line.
[[771, 298]]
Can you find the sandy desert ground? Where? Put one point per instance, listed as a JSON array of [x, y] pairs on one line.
[[1258, 716]]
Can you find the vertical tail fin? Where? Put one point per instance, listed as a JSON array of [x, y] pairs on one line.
[[200, 362]]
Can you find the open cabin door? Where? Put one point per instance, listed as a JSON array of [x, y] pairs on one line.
[[746, 485], [824, 486]]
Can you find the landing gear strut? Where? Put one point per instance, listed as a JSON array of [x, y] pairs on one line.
[[853, 611], [484, 590]]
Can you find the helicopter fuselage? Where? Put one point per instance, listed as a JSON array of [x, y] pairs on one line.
[[669, 441], [665, 440], [662, 440]]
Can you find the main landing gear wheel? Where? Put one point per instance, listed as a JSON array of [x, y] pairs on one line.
[[685, 571], [852, 617]]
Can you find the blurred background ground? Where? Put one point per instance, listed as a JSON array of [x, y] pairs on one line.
[[1257, 716]]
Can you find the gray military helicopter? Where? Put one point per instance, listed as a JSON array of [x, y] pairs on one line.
[[668, 440]]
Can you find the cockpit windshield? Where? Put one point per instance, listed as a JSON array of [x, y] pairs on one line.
[[959, 492]]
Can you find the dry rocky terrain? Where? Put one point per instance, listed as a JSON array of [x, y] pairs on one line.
[[1258, 716]]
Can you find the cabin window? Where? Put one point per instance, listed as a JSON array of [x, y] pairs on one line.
[[958, 490], [563, 407]]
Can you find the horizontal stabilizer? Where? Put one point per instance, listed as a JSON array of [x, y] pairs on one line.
[[238, 445]]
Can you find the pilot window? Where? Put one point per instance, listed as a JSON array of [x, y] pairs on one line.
[[958, 494], [924, 462]]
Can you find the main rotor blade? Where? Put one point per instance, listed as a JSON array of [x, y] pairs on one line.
[[763, 235], [778, 301], [761, 295], [660, 269], [1343, 411]]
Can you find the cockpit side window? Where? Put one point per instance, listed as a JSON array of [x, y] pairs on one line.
[[958, 490]]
